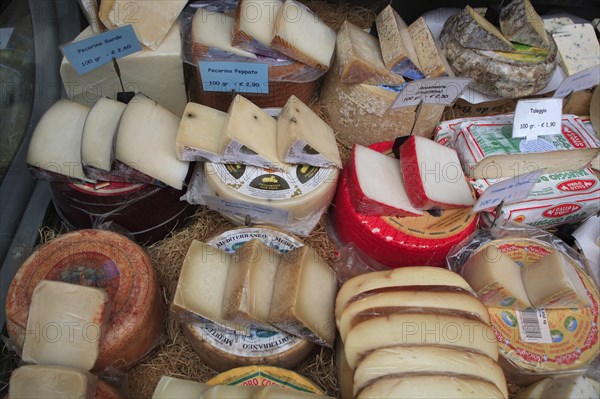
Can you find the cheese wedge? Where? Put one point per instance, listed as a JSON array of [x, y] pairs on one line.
[[534, 391], [399, 360], [553, 282], [145, 140], [295, 308], [65, 324], [432, 61], [200, 134], [360, 57], [213, 29], [564, 387], [519, 22], [51, 382], [303, 137], [578, 47], [478, 33], [249, 287], [301, 35], [171, 388], [255, 20], [496, 278]]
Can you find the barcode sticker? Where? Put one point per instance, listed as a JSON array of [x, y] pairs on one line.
[[533, 326]]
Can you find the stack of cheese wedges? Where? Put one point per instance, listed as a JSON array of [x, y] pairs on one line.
[[259, 287], [417, 332]]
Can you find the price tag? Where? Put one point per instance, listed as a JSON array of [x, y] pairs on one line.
[[537, 117], [241, 77], [580, 81], [88, 54], [510, 191], [5, 35], [441, 91], [255, 212]]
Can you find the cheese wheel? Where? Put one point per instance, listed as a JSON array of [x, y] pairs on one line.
[[265, 375], [105, 260], [396, 242]]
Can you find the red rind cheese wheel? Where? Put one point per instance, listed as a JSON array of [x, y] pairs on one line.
[[397, 242], [100, 259]]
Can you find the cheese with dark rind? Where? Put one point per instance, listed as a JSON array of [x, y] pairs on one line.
[[432, 60], [519, 22], [478, 33]]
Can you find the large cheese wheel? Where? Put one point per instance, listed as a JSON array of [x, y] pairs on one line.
[[101, 259], [395, 242]]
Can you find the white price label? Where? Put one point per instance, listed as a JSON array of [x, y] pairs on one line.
[[580, 81], [510, 191], [440, 91], [5, 35], [533, 326], [254, 212], [537, 117]]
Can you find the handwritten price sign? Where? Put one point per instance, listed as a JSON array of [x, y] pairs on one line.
[[441, 91]]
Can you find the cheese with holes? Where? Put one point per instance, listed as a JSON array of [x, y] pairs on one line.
[[99, 133], [177, 388], [200, 134], [432, 60], [51, 382], [301, 35], [145, 140], [213, 29], [295, 308], [151, 20], [360, 58], [578, 47], [477, 32], [55, 145], [368, 170], [519, 22], [552, 282], [303, 137], [254, 22], [249, 287], [398, 360]]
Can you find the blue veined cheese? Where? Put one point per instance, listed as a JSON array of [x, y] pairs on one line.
[[578, 47]]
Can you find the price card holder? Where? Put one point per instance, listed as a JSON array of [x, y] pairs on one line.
[[537, 117], [441, 91], [88, 54], [239, 77], [580, 81], [508, 191]]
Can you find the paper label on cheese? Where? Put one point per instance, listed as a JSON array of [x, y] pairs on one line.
[[107, 188], [496, 293], [238, 152], [192, 154], [301, 152], [533, 326], [408, 69], [265, 375], [248, 210]]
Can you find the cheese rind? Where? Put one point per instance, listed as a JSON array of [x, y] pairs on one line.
[[51, 382], [477, 32], [519, 22], [394, 39], [171, 387], [432, 60], [213, 29], [200, 134]]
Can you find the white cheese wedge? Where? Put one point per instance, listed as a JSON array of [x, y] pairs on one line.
[[303, 137], [51, 382], [56, 141], [552, 24], [301, 35], [398, 360], [250, 135], [213, 29], [534, 391], [151, 19], [171, 388], [65, 324], [145, 141], [496, 278], [255, 20], [553, 282], [360, 57], [519, 22], [99, 133], [433, 62], [200, 134], [295, 308], [564, 387], [249, 287], [578, 47], [430, 386], [396, 44]]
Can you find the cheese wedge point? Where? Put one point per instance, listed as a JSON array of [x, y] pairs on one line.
[[433, 62], [51, 382], [200, 134], [213, 29], [519, 22], [171, 387], [255, 20]]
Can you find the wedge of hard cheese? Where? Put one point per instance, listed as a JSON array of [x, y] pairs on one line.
[[51, 382], [519, 22], [200, 134], [301, 35], [477, 32], [303, 137], [65, 324], [433, 176], [295, 308], [433, 63], [377, 185], [253, 25], [213, 30], [360, 57], [171, 388]]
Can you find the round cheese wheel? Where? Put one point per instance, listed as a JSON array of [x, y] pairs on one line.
[[223, 349], [395, 242], [100, 259], [265, 375]]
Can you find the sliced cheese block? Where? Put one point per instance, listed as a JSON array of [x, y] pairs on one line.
[[578, 47], [383, 327], [552, 282], [200, 134], [254, 20], [496, 278], [397, 49], [301, 35], [432, 60], [171, 388], [433, 386], [377, 184], [145, 140], [295, 308], [99, 133], [359, 55], [442, 297], [56, 141], [519, 22], [51, 382], [406, 276], [213, 29], [250, 135], [303, 137], [249, 287], [477, 32], [151, 20], [399, 360], [433, 176], [68, 321]]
